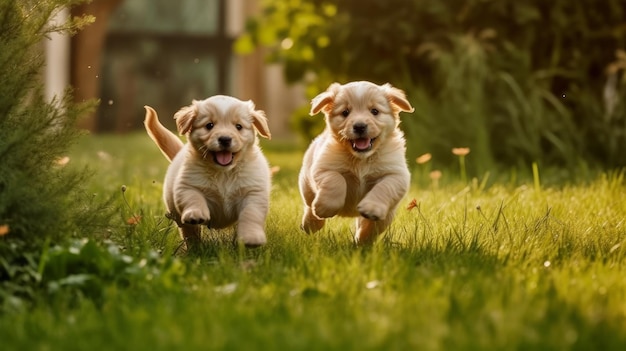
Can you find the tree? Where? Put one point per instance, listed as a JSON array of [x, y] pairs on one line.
[[516, 81]]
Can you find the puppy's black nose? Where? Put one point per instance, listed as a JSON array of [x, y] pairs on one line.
[[224, 141], [359, 128]]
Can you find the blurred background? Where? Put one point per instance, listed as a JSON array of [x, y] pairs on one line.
[[164, 54], [515, 81]]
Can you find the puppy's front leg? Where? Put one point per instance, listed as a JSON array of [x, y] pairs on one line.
[[251, 227], [331, 194], [384, 196], [191, 205], [310, 222]]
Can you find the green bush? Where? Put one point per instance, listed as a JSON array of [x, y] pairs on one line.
[[41, 200], [516, 81], [85, 268]]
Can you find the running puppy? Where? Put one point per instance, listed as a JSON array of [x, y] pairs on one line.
[[220, 176], [357, 166]]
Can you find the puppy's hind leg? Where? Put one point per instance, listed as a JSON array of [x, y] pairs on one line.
[[191, 235], [368, 230]]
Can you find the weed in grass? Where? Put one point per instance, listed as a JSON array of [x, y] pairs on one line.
[[461, 152]]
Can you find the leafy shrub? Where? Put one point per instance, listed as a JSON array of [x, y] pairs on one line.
[[85, 267], [41, 200], [38, 197], [516, 81]]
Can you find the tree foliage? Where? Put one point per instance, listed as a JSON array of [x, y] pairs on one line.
[[516, 81]]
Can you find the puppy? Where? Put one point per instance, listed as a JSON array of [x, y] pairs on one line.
[[357, 166], [220, 176]]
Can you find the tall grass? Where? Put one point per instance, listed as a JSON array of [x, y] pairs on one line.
[[471, 266]]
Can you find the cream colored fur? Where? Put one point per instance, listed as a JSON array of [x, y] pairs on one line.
[[357, 166], [220, 176]]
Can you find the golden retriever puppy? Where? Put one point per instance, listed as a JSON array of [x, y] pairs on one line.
[[220, 176], [357, 166]]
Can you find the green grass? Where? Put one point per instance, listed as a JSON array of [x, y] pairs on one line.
[[498, 266]]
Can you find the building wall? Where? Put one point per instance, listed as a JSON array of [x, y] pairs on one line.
[[158, 53], [261, 82]]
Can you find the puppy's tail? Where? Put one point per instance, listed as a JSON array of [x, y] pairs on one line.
[[167, 141]]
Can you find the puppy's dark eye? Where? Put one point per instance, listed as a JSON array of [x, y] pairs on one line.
[[345, 112], [209, 126], [374, 111], [238, 126]]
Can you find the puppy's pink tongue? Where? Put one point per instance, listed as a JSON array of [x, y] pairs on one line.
[[223, 158], [362, 143]]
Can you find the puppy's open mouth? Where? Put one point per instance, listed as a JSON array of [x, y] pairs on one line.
[[362, 144], [223, 158]]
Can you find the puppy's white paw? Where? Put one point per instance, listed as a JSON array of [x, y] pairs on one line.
[[195, 216], [310, 222], [252, 239], [372, 210], [330, 207]]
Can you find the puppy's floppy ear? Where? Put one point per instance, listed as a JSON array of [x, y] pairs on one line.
[[324, 100], [259, 121], [397, 98], [184, 118]]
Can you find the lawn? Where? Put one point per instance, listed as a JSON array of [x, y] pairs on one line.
[[494, 265]]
